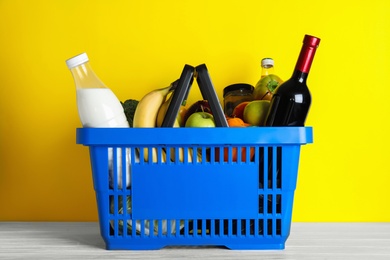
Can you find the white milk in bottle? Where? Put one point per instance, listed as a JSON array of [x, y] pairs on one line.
[[98, 107], [97, 104]]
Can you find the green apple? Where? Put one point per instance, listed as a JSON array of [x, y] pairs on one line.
[[266, 86], [200, 119], [255, 113], [198, 106]]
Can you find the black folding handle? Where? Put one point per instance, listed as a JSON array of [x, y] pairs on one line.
[[208, 92], [179, 95], [182, 90]]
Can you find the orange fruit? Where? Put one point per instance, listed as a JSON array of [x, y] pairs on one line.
[[236, 121]]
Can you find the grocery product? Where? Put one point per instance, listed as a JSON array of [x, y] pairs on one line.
[[146, 114], [255, 112], [98, 107], [267, 67], [235, 94], [266, 86], [129, 107], [291, 101]]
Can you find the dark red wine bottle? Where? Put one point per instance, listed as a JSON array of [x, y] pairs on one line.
[[291, 101]]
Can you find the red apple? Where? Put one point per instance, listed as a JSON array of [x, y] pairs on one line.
[[200, 119], [238, 111]]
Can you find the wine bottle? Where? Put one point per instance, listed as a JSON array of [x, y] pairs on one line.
[[292, 99]]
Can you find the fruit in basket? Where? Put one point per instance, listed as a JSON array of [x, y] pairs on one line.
[[255, 113], [198, 106], [234, 154], [235, 122], [147, 109], [180, 116], [145, 114], [238, 111], [266, 86], [200, 119]]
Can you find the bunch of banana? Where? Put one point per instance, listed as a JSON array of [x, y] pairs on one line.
[[150, 112], [146, 113]]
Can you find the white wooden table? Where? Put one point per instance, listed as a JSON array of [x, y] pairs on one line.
[[75, 240]]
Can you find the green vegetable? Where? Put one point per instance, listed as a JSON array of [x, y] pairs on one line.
[[129, 107]]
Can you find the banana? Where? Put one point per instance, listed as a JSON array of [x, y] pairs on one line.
[[146, 113], [150, 112], [147, 109]]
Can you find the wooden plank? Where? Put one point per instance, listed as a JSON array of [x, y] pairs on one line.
[[81, 240]]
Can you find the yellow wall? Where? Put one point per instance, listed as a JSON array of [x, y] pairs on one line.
[[136, 46]]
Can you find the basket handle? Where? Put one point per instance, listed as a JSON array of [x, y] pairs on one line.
[[182, 90]]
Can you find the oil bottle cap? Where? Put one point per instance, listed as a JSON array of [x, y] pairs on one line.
[[77, 60], [266, 62]]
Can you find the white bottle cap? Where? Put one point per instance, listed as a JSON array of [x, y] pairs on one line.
[[77, 60], [267, 62]]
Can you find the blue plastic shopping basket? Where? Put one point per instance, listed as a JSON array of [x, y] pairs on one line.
[[231, 187]]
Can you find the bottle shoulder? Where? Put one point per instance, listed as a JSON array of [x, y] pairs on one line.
[[292, 85], [293, 90]]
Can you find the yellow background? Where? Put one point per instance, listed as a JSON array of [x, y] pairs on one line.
[[137, 46]]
